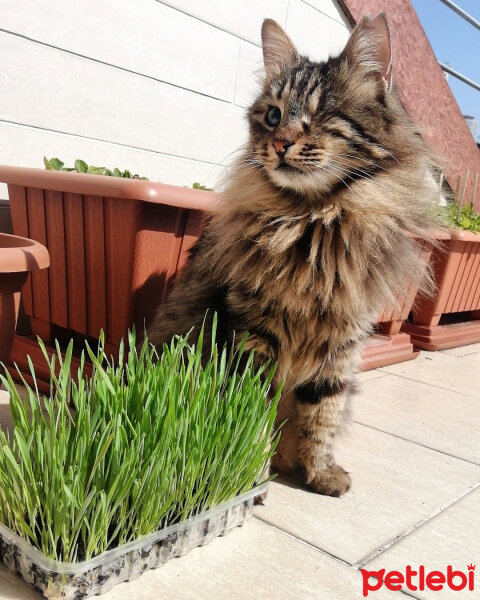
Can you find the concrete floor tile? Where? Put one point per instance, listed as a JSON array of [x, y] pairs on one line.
[[463, 350], [437, 418], [451, 538], [256, 561], [367, 375], [252, 562], [396, 484], [441, 370], [475, 357], [14, 588]]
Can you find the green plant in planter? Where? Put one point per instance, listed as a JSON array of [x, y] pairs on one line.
[[462, 217], [199, 186], [143, 443], [55, 164], [459, 214]]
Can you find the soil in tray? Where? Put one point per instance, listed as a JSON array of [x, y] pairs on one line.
[[115, 542], [78, 582]]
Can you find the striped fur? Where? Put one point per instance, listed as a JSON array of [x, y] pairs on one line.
[[306, 247]]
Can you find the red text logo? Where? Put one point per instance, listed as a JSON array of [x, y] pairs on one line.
[[419, 579]]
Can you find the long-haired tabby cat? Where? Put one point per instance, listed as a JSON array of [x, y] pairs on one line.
[[310, 238]]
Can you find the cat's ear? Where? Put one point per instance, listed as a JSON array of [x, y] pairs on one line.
[[278, 49], [370, 46]]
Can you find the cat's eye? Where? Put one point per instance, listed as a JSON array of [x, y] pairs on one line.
[[273, 116]]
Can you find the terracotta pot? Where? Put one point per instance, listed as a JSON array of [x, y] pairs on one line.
[[115, 246], [390, 345], [452, 317], [18, 257]]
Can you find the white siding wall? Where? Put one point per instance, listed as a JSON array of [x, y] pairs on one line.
[[157, 87]]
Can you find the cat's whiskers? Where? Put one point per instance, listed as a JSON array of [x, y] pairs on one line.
[[355, 170], [252, 162], [313, 167], [315, 175], [308, 165], [368, 162], [391, 155], [350, 172], [325, 168], [358, 175]]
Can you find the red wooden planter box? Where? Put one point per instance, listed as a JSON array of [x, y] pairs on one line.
[[115, 246], [452, 317], [390, 345]]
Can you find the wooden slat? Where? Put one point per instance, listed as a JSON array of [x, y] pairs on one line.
[[24, 346], [463, 288], [446, 262], [18, 211], [475, 302], [160, 247], [426, 253], [179, 223], [121, 226], [95, 264], [56, 247], [385, 316], [75, 262], [401, 312], [456, 289], [37, 231], [156, 258], [193, 230], [473, 281]]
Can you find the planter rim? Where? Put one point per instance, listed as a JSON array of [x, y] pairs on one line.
[[114, 187], [464, 236], [19, 254], [442, 234], [437, 234], [456, 234], [70, 568]]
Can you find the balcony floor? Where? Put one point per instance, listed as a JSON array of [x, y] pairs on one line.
[[413, 450]]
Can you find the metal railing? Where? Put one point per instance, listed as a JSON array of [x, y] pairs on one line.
[[461, 13], [447, 68]]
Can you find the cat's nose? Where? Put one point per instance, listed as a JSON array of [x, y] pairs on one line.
[[281, 146]]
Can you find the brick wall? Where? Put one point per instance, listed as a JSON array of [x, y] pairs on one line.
[[422, 86]]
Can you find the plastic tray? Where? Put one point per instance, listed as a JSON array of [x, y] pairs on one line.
[[74, 581]]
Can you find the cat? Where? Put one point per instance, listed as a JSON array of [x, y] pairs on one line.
[[310, 239]]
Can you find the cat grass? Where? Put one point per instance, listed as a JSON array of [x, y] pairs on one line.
[[146, 441]]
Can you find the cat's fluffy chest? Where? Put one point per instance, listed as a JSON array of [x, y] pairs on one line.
[[304, 264]]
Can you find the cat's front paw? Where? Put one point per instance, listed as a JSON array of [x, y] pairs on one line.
[[260, 498], [333, 481]]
